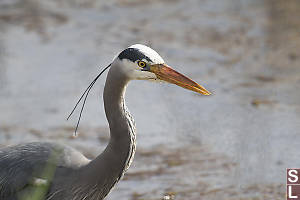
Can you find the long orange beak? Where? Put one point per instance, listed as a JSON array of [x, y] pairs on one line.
[[166, 73]]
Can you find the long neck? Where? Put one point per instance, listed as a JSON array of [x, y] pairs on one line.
[[122, 127], [110, 166]]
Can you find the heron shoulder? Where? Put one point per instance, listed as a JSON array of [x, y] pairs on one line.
[[21, 165]]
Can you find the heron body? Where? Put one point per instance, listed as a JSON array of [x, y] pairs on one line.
[[57, 172]]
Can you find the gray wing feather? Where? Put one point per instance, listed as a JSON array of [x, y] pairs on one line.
[[21, 164]]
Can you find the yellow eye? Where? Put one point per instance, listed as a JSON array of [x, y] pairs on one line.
[[141, 64]]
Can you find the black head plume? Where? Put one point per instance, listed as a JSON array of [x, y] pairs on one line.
[[85, 95]]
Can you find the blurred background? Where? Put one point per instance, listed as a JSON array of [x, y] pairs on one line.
[[233, 145]]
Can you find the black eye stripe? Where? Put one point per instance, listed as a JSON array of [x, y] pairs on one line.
[[133, 54]]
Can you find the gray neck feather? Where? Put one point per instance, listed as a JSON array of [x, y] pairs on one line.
[[109, 167]]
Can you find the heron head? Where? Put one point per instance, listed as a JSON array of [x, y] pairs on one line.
[[139, 62]]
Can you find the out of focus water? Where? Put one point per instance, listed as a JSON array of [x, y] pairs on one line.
[[235, 144]]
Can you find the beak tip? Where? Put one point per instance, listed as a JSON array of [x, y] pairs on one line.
[[207, 94]]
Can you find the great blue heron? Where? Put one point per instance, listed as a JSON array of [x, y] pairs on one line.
[[56, 172]]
